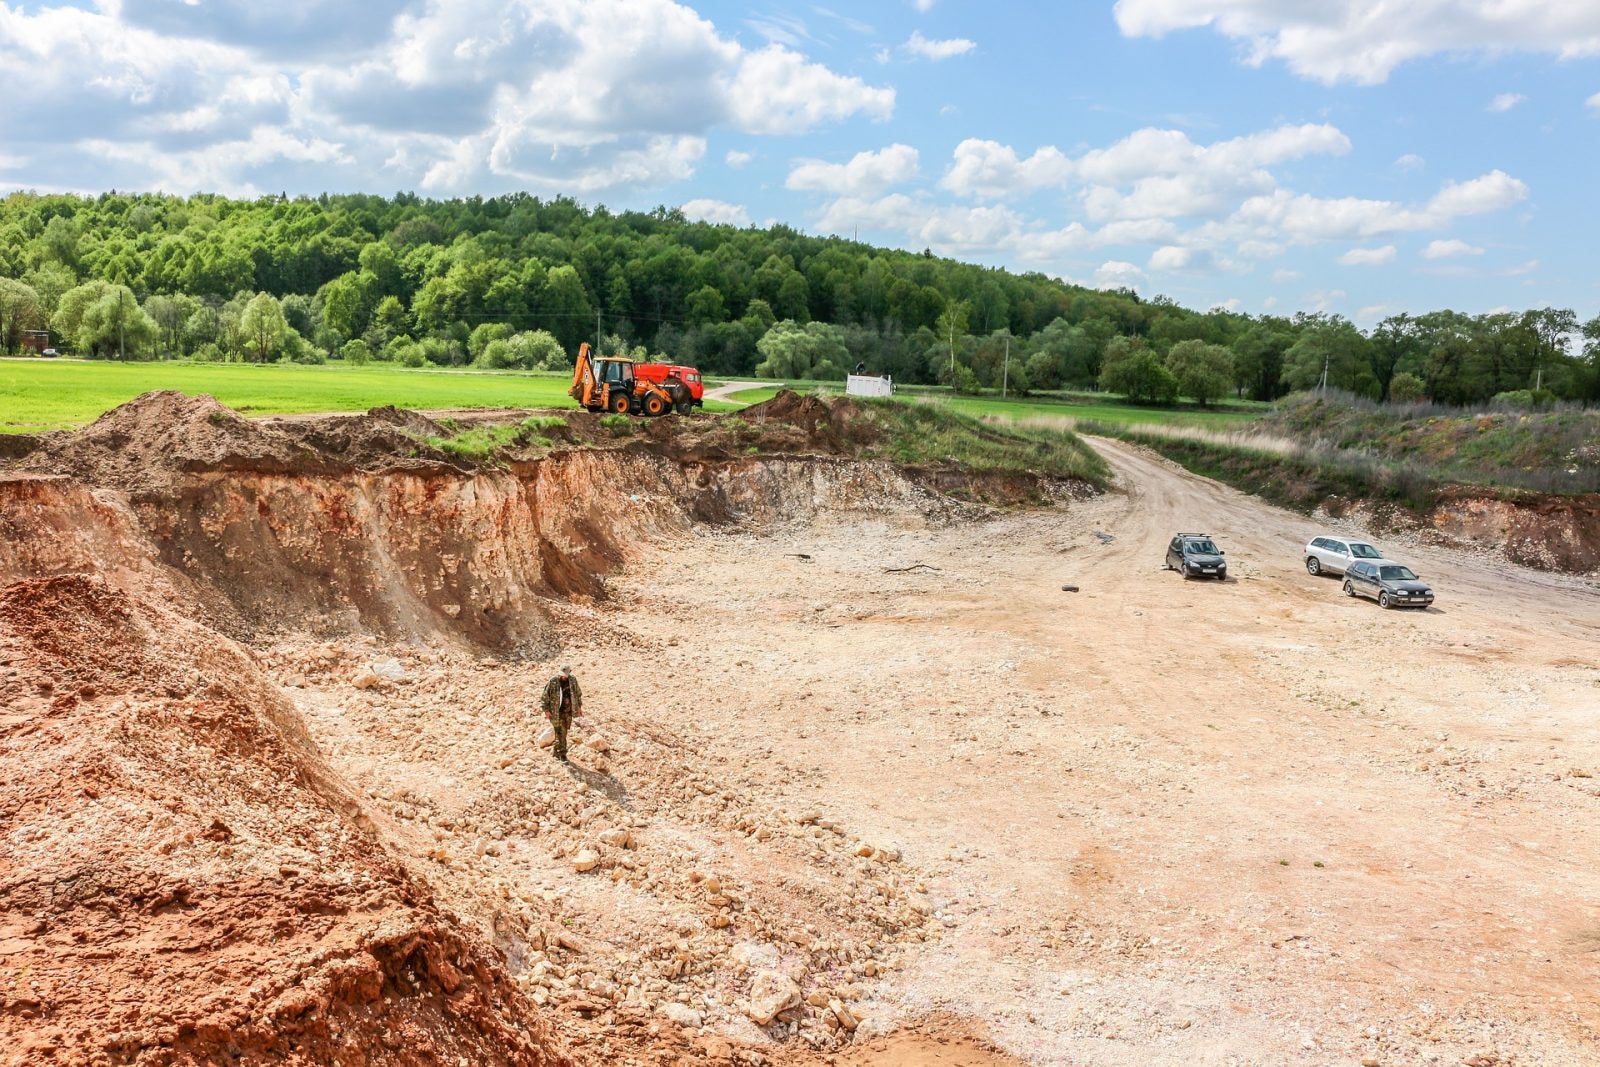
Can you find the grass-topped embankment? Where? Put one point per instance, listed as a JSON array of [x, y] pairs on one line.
[[1098, 406], [1312, 448], [480, 444], [1283, 472], [918, 434], [1554, 451]]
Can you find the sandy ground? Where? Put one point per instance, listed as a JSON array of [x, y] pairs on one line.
[[1250, 822], [1155, 821]]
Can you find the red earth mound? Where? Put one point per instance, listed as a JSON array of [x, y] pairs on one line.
[[186, 882]]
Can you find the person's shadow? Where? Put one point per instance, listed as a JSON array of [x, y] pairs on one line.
[[604, 783]]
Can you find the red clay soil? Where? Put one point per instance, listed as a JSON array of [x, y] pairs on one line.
[[186, 883]]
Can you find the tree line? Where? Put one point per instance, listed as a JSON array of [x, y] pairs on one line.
[[518, 282]]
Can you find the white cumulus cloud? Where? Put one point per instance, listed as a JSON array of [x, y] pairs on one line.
[[1492, 192], [1155, 173], [991, 169], [1449, 248], [451, 95], [921, 46], [1505, 102], [867, 173], [1117, 274], [717, 211], [1363, 41], [1368, 257]]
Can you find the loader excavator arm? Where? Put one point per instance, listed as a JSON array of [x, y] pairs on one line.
[[585, 385]]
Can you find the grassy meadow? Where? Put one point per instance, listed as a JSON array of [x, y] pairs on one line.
[[38, 395]]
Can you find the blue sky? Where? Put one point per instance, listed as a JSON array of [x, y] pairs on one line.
[[1269, 155]]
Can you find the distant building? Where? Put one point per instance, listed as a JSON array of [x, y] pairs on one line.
[[869, 385], [35, 341]]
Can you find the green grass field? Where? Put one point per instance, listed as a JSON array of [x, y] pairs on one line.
[[38, 395], [1109, 410]]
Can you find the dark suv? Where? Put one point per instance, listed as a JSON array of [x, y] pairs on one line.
[[1196, 555]]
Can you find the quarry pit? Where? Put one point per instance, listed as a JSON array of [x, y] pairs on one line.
[[859, 782]]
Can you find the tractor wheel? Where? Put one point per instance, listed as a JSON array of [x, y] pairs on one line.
[[619, 403], [655, 405], [686, 407]]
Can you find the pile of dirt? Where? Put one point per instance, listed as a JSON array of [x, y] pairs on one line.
[[147, 444], [789, 424], [382, 438], [187, 882]]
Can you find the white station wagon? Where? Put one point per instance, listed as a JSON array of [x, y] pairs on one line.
[[1333, 555]]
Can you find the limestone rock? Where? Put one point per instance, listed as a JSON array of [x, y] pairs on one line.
[[547, 737], [683, 1015], [617, 838], [756, 956], [587, 859], [770, 993], [366, 679]]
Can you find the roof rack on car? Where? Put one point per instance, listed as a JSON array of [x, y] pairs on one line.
[[1194, 535]]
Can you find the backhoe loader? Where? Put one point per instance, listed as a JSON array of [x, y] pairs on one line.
[[607, 383]]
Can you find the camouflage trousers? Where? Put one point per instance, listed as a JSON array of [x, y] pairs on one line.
[[561, 722]]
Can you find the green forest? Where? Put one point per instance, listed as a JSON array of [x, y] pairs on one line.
[[516, 282]]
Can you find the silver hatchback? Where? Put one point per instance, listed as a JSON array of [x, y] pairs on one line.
[[1391, 584], [1334, 555]]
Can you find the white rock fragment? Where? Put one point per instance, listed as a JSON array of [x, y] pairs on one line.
[[770, 993]]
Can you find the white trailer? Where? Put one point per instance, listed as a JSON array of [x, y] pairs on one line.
[[869, 385]]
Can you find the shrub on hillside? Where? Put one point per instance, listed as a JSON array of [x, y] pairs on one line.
[[1406, 388]]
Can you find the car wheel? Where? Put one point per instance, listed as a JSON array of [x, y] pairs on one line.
[[1313, 565], [1184, 567], [1349, 590], [1383, 601]]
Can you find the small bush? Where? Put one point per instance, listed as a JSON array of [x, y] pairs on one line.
[[356, 353], [1406, 388], [618, 425]]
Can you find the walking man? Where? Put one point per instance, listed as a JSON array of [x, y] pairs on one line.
[[563, 699]]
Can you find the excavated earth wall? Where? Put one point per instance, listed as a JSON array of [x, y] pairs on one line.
[[396, 546], [188, 881]]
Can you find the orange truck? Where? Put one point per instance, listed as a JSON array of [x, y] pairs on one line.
[[689, 391]]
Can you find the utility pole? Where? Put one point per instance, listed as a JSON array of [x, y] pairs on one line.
[[597, 331], [120, 350], [1326, 356], [1005, 374], [952, 353]]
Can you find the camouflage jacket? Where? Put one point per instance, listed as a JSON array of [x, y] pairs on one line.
[[552, 696]]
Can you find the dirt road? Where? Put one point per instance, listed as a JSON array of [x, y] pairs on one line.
[[727, 389], [1174, 822]]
